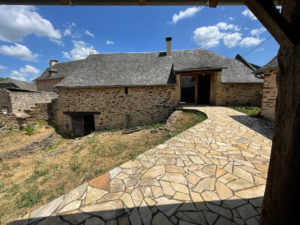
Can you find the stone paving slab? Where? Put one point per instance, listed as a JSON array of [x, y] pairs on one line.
[[212, 173]]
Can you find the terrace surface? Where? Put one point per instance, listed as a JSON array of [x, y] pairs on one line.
[[212, 173]]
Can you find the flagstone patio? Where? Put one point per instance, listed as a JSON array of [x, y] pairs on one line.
[[212, 173]]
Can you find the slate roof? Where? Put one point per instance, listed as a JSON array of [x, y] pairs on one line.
[[273, 64], [143, 69], [13, 84]]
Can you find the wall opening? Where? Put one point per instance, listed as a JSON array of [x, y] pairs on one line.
[[187, 89], [203, 90], [82, 123], [196, 88], [89, 124]]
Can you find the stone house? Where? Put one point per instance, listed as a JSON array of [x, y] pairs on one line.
[[269, 71], [20, 101], [114, 90]]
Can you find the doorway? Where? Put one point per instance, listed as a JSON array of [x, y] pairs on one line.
[[195, 89], [89, 124], [204, 90], [82, 124], [187, 89]]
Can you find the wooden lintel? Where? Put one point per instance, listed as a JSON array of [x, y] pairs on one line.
[[274, 22], [81, 113], [141, 2], [213, 3]]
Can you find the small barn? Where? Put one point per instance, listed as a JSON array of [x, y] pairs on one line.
[[17, 97], [115, 90], [269, 71]]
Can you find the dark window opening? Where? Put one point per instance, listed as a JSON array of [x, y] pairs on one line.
[[188, 89], [126, 91], [204, 90]]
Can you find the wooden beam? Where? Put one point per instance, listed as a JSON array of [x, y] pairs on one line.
[[65, 2], [213, 3], [273, 21], [141, 2]]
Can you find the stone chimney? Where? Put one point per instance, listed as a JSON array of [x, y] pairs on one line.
[[52, 62], [168, 42]]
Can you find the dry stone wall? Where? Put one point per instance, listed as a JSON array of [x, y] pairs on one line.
[[5, 102], [22, 101], [237, 93], [141, 106], [269, 95], [48, 84]]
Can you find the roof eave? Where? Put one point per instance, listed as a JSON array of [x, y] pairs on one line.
[[111, 86]]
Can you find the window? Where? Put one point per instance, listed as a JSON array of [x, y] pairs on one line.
[[126, 91]]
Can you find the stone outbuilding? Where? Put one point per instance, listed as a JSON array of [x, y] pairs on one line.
[[269, 71], [116, 90], [20, 102]]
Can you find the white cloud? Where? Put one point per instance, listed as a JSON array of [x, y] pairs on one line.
[[231, 40], [66, 55], [67, 32], [19, 51], [211, 36], [80, 51], [231, 18], [250, 41], [256, 32], [226, 26], [2, 67], [89, 33], [189, 12], [249, 14], [21, 21], [109, 42], [57, 41], [207, 36], [25, 73]]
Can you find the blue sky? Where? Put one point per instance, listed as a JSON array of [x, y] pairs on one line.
[[30, 36]]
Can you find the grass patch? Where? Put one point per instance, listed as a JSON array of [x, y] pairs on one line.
[[249, 110], [38, 178], [36, 174], [30, 198]]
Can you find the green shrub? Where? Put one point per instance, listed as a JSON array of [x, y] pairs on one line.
[[30, 129]]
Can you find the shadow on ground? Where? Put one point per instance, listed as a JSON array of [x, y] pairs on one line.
[[225, 212], [260, 125]]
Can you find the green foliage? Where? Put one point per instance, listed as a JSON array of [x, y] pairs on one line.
[[249, 110], [135, 154], [75, 167], [30, 197], [13, 190], [36, 174], [30, 129], [153, 126]]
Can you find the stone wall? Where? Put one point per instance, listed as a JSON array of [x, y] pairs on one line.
[[141, 106], [22, 101], [5, 102], [236, 93], [33, 147], [9, 121], [47, 85], [269, 95]]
